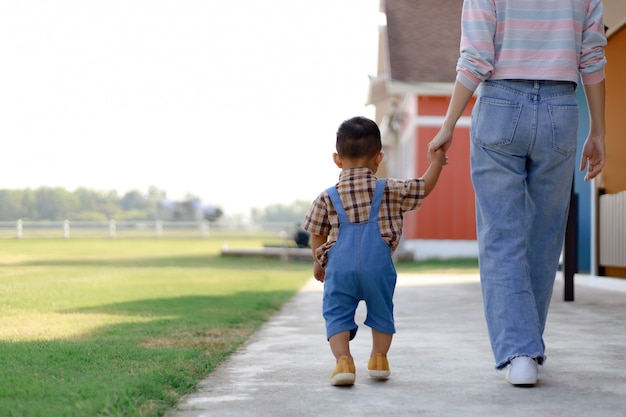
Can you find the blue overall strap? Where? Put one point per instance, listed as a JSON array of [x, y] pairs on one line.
[[341, 212], [377, 199]]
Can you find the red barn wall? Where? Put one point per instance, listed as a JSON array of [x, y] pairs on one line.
[[448, 212]]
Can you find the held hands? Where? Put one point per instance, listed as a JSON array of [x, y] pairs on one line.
[[438, 147], [437, 157], [442, 140]]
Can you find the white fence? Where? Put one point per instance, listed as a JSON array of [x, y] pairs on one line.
[[612, 229], [135, 229]]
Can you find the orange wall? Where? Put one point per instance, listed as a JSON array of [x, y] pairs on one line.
[[448, 212], [614, 172]]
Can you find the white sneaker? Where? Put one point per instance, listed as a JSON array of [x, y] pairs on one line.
[[522, 371]]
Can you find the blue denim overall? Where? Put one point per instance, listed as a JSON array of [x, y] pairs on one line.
[[359, 267]]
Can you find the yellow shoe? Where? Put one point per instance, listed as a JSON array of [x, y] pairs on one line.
[[344, 373], [378, 367]]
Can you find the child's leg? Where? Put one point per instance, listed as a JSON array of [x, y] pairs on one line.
[[340, 345], [378, 366], [344, 372], [381, 342]]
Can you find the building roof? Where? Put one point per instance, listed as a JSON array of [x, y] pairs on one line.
[[422, 40], [421, 44]]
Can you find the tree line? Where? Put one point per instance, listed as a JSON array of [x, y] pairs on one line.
[[293, 212], [57, 203], [83, 204]]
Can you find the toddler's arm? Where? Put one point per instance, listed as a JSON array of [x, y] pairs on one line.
[[437, 160], [318, 270]]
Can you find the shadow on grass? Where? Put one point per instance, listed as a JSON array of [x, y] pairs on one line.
[[136, 368], [160, 261], [219, 262]]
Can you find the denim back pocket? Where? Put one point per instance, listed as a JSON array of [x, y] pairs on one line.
[[495, 121], [564, 121]]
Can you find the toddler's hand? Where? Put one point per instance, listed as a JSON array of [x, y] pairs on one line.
[[437, 156], [318, 272]]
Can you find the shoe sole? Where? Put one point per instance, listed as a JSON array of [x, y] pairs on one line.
[[522, 383], [379, 374], [342, 379], [528, 381]]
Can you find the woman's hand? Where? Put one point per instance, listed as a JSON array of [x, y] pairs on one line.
[[442, 140]]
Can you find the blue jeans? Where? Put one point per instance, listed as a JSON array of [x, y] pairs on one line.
[[524, 136]]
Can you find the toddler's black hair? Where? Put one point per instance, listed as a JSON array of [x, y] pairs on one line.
[[358, 137]]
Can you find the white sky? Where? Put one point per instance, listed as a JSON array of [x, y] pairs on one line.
[[235, 101]]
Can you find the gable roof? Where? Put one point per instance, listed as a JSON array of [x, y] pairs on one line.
[[422, 41], [421, 44]]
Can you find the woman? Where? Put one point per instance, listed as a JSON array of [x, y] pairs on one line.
[[525, 58]]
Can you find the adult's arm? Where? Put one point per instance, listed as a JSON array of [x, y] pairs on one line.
[[593, 153], [461, 95]]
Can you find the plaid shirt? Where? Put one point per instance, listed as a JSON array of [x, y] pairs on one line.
[[356, 190]]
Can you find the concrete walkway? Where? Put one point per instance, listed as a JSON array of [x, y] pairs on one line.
[[440, 359]]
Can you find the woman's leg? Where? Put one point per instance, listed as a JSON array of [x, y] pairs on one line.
[[550, 174], [502, 134]]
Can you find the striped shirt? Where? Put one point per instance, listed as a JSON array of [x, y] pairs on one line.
[[356, 190], [553, 40]]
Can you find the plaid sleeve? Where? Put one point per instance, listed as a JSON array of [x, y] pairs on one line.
[[316, 220], [407, 194]]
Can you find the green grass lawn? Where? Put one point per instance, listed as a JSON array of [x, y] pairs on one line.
[[452, 266], [99, 327], [125, 327]]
